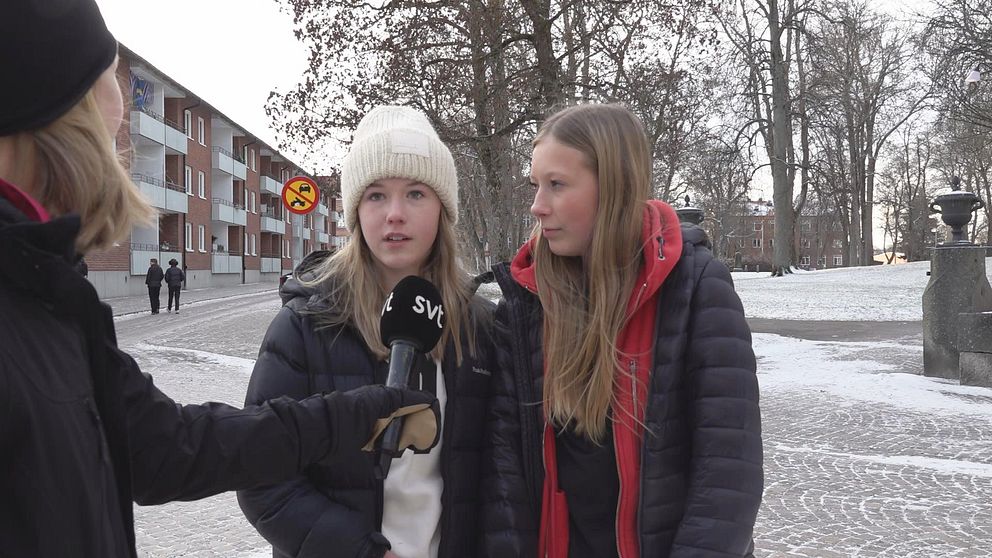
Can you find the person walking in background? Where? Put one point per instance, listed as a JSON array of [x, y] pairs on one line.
[[174, 278], [400, 194], [153, 278], [83, 432], [624, 419]]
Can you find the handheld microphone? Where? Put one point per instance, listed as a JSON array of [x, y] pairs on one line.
[[411, 322]]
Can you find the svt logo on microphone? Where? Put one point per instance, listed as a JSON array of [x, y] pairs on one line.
[[421, 305]]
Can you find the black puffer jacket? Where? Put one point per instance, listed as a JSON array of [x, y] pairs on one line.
[[701, 469], [83, 431], [336, 510]]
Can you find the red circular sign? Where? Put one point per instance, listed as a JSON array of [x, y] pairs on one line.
[[300, 195]]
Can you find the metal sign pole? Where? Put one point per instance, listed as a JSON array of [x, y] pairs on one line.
[[297, 240]]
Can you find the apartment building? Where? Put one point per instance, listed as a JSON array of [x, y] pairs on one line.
[[818, 237], [216, 188]]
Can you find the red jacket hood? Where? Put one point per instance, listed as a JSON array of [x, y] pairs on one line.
[[662, 238]]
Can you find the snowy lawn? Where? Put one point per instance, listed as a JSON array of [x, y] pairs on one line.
[[873, 294]]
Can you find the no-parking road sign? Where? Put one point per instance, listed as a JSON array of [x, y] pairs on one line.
[[300, 195]]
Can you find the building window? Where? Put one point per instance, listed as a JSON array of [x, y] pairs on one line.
[[188, 123], [202, 231], [201, 133], [244, 200], [188, 180], [201, 180], [838, 261], [286, 253], [254, 208], [805, 243], [757, 226], [251, 159], [189, 237], [804, 260], [740, 243], [771, 242], [756, 243], [246, 244], [838, 243], [804, 226], [254, 252]]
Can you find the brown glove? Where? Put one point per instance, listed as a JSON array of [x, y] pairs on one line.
[[419, 432]]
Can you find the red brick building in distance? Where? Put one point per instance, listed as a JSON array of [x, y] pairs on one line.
[[818, 239], [217, 190]]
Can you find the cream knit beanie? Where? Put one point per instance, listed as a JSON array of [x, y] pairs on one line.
[[397, 142]]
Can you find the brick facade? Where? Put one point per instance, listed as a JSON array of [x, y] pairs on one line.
[[213, 252]]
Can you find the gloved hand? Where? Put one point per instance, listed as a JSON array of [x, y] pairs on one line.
[[355, 415]]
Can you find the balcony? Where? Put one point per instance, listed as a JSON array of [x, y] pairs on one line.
[[223, 262], [148, 124], [226, 211], [271, 264], [306, 234], [323, 237], [224, 161], [166, 196], [272, 224], [176, 142], [270, 185], [322, 209]]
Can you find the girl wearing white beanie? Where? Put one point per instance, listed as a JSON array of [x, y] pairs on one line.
[[400, 194]]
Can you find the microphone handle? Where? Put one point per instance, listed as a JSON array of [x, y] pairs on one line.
[[401, 356]]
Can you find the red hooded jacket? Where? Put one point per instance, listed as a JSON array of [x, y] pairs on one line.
[[662, 238]]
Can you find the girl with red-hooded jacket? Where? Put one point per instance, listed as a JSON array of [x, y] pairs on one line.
[[625, 418]]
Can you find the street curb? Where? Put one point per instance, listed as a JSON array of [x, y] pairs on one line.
[[193, 303]]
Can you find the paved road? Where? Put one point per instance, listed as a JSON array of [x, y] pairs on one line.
[[205, 353], [840, 331], [844, 478]]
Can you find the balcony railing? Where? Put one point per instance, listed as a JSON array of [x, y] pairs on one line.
[[153, 114], [228, 203], [225, 151], [139, 177]]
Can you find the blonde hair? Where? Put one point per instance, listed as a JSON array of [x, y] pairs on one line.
[[69, 166], [349, 284], [585, 304]]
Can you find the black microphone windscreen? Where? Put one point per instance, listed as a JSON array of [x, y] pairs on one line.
[[413, 312]]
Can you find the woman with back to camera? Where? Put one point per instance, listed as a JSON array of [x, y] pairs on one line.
[[400, 195], [624, 419], [83, 432]]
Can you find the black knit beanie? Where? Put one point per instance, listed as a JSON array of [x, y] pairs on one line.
[[51, 54]]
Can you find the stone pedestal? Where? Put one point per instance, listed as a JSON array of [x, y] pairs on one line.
[[957, 285], [975, 346]]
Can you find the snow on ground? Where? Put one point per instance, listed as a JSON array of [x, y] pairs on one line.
[[885, 293], [875, 294], [862, 373]]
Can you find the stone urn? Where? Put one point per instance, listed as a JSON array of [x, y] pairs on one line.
[[955, 208], [690, 214]]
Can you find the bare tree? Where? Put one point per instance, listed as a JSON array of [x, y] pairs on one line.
[[863, 78], [486, 74]]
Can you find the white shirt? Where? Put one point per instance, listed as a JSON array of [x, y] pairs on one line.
[[411, 512]]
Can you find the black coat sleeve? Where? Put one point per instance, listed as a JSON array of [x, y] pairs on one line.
[[726, 478], [294, 516], [510, 526]]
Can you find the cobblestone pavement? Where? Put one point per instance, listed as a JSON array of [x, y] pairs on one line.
[[863, 478], [846, 476]]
